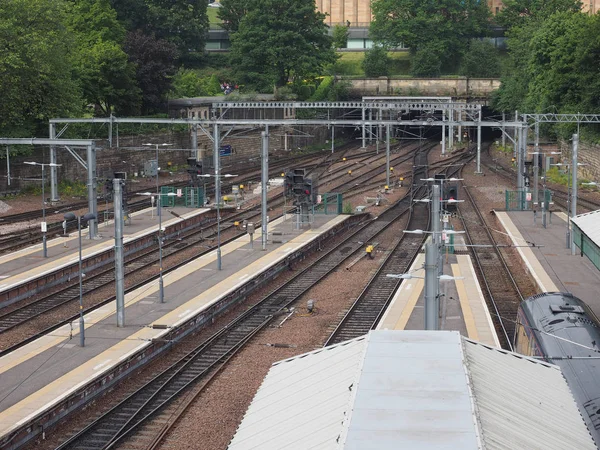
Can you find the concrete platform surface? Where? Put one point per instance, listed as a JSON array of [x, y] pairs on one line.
[[45, 371], [551, 264], [20, 266], [462, 307]]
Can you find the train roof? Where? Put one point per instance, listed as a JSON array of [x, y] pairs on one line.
[[568, 333]]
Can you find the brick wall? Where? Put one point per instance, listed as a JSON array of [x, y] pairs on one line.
[[588, 154], [130, 156], [455, 87]]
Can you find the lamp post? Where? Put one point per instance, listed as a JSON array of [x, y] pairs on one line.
[[44, 227], [161, 289], [218, 204], [157, 167], [536, 168], [568, 167], [86, 217]]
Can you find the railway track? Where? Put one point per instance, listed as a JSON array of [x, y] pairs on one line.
[[143, 260], [368, 308], [500, 289], [14, 241], [137, 420]]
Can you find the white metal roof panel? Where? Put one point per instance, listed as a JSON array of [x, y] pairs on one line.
[[412, 393], [302, 401], [409, 390], [523, 403], [589, 224]]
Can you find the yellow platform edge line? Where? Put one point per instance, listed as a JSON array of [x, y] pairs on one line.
[[137, 340], [464, 304], [44, 269], [542, 279]]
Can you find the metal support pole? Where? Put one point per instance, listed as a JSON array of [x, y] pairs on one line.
[[574, 201], [364, 131], [45, 248], [520, 162], [451, 130], [53, 169], [81, 321], [479, 143], [370, 126], [119, 260], [387, 155], [92, 194], [431, 286], [460, 114], [515, 132], [110, 130], [265, 180], [161, 285], [332, 138], [217, 144], [7, 165], [194, 140], [503, 131], [536, 163], [443, 133]]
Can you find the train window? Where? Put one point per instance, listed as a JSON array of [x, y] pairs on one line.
[[554, 322]]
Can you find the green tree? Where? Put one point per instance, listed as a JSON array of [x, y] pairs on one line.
[[448, 24], [232, 12], [517, 12], [553, 65], [107, 77], [427, 61], [481, 60], [154, 61], [281, 40], [376, 62], [36, 66], [340, 36], [181, 22]]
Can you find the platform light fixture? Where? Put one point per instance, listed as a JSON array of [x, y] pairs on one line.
[[149, 144], [86, 218], [44, 226], [218, 203], [161, 288], [568, 168]]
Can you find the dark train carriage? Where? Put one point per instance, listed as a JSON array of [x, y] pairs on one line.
[[563, 330]]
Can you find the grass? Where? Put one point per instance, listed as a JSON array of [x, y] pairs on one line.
[[212, 15], [349, 63]]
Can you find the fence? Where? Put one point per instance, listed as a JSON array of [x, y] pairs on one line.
[[188, 197]]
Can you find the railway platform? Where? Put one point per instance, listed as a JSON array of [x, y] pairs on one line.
[[45, 379], [462, 305], [27, 265], [550, 262]]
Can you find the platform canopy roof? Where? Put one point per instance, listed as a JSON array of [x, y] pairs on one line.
[[412, 389], [589, 224]]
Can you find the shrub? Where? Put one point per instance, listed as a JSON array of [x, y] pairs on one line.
[[376, 62], [340, 36]]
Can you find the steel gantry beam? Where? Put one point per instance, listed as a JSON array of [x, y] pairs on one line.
[[91, 169], [378, 105], [564, 118]]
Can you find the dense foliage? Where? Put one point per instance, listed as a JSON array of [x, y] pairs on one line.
[[444, 27], [279, 41], [376, 62], [553, 64]]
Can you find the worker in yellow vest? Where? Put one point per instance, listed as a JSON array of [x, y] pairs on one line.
[[369, 250]]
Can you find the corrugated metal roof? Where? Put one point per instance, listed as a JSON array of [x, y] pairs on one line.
[[412, 393], [522, 402], [589, 224], [412, 389], [302, 401]]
